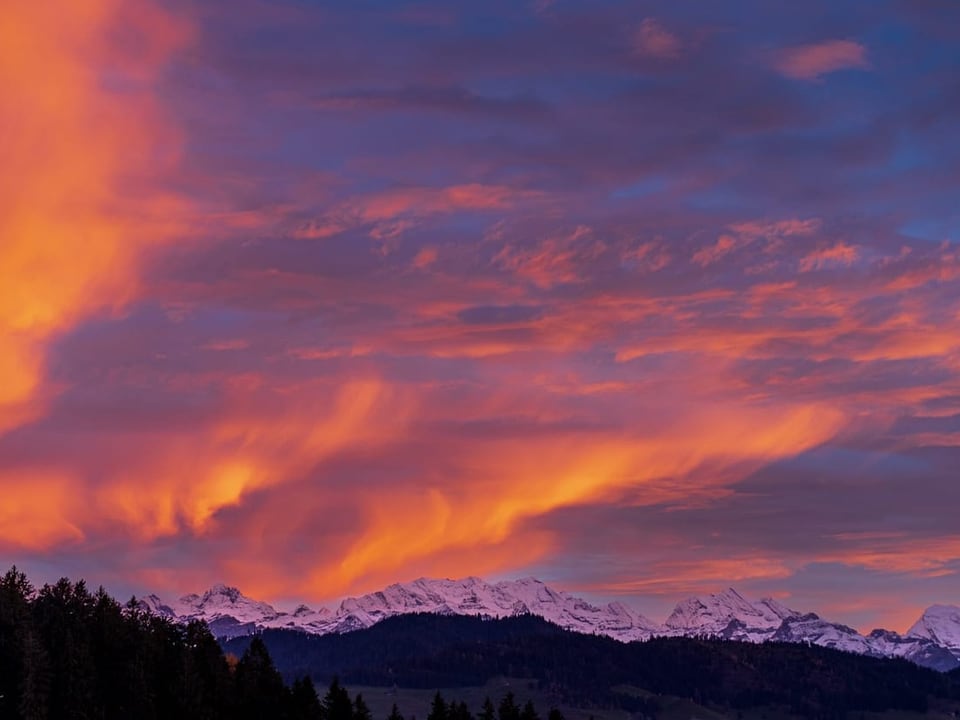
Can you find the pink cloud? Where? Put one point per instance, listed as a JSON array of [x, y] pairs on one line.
[[810, 62], [649, 257], [426, 257], [554, 261], [778, 228], [710, 254], [839, 254], [653, 40]]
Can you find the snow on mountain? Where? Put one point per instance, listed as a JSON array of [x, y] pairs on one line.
[[933, 641], [230, 613], [813, 629], [731, 616], [921, 650], [728, 615], [941, 624], [473, 596]]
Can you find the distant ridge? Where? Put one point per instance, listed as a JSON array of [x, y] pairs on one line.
[[933, 641]]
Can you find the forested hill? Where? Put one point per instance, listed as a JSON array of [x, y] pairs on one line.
[[430, 651], [68, 653]]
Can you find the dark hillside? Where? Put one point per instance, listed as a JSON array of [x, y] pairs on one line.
[[429, 651]]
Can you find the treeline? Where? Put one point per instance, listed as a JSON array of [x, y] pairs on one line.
[[587, 671], [507, 709], [67, 653]]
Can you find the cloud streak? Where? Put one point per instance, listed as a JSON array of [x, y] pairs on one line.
[[811, 62], [72, 234]]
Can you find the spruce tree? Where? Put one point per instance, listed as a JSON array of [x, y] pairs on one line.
[[508, 709], [438, 710], [336, 703], [459, 711], [261, 693], [360, 709], [304, 703], [488, 712], [395, 713]]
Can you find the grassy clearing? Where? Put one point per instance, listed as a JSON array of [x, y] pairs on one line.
[[414, 704]]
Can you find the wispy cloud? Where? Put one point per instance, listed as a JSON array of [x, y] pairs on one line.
[[813, 61]]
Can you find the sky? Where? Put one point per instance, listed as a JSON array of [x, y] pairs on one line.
[[643, 298]]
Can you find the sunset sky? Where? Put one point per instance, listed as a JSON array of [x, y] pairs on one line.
[[642, 298]]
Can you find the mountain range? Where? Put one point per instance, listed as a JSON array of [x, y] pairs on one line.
[[933, 641]]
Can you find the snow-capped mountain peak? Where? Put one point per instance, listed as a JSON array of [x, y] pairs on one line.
[[474, 596], [727, 614], [777, 609], [933, 641], [940, 623], [224, 600]]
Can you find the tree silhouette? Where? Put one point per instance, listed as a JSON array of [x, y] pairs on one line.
[[438, 709], [261, 693], [529, 712], [508, 709], [395, 713], [360, 709], [304, 703], [487, 712], [336, 703]]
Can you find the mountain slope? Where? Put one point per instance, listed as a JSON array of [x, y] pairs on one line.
[[934, 641], [230, 613], [939, 623], [728, 615]]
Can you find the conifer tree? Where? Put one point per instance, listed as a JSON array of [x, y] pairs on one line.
[[529, 712], [459, 711], [439, 709], [508, 709], [336, 703], [304, 703], [23, 664], [360, 709], [488, 712], [395, 713], [260, 690]]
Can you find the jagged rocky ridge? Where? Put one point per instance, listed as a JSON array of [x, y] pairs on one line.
[[933, 641]]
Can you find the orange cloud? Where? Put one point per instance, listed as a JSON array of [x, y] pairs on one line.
[[502, 483], [179, 482], [251, 449], [923, 557], [676, 577], [39, 509], [811, 62], [75, 214]]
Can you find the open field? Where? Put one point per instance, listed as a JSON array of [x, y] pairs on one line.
[[414, 704]]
